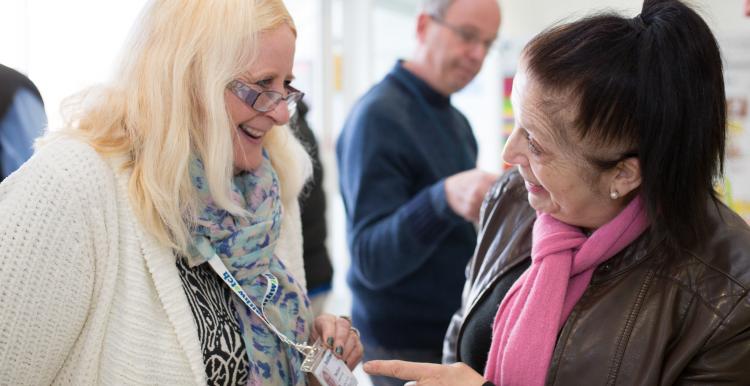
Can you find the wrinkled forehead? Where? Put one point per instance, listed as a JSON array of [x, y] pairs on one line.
[[550, 113], [553, 114]]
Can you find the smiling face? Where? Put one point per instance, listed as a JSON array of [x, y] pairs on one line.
[[271, 71], [551, 160]]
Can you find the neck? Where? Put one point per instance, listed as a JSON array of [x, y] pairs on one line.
[[421, 70]]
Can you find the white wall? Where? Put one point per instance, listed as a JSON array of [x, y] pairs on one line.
[[522, 18], [63, 46]]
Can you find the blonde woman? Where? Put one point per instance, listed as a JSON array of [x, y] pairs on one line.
[[113, 236]]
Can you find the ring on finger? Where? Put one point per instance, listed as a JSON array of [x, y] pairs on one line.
[[348, 319], [355, 331]]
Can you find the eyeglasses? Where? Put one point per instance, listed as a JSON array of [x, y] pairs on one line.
[[265, 101], [467, 36]]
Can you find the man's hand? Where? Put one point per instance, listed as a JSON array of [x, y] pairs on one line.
[[465, 192]]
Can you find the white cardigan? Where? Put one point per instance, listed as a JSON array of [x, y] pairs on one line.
[[87, 297]]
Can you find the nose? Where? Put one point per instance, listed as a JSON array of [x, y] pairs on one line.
[[513, 151], [280, 113]]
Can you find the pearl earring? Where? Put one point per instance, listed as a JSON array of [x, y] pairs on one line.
[[614, 195]]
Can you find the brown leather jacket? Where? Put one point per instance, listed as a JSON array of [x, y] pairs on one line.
[[648, 317]]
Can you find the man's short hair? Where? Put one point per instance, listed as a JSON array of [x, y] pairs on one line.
[[436, 7]]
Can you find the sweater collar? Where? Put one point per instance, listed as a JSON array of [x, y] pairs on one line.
[[425, 90]]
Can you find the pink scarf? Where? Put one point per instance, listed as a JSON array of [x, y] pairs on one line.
[[536, 306]]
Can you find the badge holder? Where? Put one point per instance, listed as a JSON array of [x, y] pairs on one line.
[[327, 368], [319, 361]]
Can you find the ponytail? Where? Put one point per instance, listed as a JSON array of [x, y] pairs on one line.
[[681, 116]]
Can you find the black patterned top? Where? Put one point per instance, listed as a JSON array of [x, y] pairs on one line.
[[222, 345]]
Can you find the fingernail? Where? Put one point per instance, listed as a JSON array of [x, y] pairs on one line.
[[330, 341], [339, 350]]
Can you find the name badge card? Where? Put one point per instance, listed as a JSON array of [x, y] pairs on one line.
[[327, 368]]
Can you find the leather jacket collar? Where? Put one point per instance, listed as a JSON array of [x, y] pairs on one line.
[[651, 314]]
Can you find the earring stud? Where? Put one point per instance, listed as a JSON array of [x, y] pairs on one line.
[[614, 195]]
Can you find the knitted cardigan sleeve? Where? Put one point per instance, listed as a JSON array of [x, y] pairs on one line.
[[52, 228]]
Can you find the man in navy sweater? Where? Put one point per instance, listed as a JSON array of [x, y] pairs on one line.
[[408, 177]]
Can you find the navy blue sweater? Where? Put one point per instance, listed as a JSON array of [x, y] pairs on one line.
[[408, 248]]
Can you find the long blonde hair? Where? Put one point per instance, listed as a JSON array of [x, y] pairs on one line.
[[166, 102]]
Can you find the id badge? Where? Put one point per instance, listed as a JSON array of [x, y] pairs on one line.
[[326, 368]]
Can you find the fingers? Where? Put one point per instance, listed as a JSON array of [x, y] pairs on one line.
[[353, 351], [337, 334], [343, 329], [401, 369], [483, 185], [324, 328], [465, 191]]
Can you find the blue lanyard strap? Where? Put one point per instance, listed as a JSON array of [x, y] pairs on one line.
[[271, 287]]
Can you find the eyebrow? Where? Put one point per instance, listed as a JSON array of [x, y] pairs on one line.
[[256, 78]]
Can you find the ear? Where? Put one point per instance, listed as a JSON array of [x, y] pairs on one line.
[[423, 20], [627, 177]]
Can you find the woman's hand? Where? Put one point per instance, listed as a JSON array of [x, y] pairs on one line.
[[338, 334], [426, 374]]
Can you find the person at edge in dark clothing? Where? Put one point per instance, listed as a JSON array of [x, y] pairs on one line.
[[22, 119], [318, 268]]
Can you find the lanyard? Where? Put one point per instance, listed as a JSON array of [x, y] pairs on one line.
[[271, 287]]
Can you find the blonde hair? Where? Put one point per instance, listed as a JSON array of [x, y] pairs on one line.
[[166, 102]]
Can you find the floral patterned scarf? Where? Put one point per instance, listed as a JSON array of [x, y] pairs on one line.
[[246, 246]]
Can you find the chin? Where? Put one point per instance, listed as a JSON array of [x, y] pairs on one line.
[[247, 163], [537, 202]]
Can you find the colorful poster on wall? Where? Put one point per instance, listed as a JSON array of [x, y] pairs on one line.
[[736, 189]]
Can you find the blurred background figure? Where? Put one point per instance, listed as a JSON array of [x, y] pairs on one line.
[[22, 119], [408, 174], [318, 268]]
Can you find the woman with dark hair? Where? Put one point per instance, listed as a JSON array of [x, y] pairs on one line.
[[607, 250]]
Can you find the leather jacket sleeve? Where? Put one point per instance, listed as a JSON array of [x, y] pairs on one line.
[[451, 335], [489, 217], [652, 315], [724, 357]]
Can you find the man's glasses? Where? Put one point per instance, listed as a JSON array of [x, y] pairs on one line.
[[265, 101], [467, 36]]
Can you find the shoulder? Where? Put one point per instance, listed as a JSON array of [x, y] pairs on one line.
[[71, 158], [508, 191], [390, 88], [70, 166], [717, 271], [26, 100], [506, 218], [727, 248], [387, 100], [381, 119]]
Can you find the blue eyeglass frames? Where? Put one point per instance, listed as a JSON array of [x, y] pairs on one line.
[[265, 101]]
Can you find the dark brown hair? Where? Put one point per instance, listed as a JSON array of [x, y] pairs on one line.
[[651, 86]]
